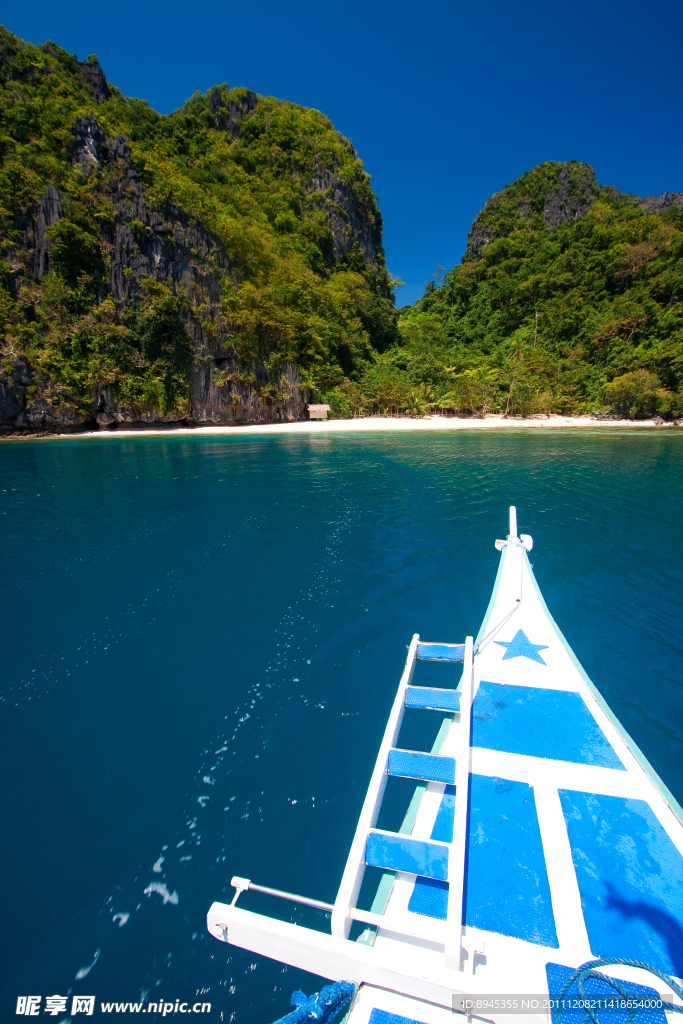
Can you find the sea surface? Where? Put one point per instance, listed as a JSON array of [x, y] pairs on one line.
[[201, 640]]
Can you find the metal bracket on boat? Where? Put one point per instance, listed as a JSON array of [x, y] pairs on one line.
[[241, 885], [524, 540], [219, 931]]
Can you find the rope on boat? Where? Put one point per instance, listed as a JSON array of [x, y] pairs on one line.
[[587, 970], [322, 1006], [478, 648]]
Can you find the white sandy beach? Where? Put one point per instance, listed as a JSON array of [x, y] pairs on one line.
[[377, 423]]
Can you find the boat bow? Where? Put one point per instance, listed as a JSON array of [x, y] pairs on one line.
[[538, 838]]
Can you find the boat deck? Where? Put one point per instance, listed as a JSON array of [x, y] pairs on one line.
[[538, 837], [574, 847]]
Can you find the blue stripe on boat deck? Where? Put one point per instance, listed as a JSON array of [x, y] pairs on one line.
[[384, 1017], [401, 853], [630, 877], [507, 888], [554, 724], [435, 700], [557, 975], [441, 652], [430, 898], [427, 767], [443, 825]]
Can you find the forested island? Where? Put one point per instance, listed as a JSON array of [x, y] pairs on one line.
[[224, 264]]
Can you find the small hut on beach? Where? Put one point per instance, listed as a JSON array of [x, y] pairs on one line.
[[317, 412]]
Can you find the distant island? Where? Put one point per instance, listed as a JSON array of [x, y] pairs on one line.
[[223, 264]]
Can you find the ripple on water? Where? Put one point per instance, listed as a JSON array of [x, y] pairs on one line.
[[202, 640]]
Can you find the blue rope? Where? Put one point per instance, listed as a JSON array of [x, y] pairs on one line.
[[321, 1006], [587, 970]]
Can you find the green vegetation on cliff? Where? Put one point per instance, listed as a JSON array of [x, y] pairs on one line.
[[224, 263], [568, 299], [244, 225]]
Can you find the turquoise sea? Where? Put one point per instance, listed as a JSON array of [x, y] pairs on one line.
[[201, 639]]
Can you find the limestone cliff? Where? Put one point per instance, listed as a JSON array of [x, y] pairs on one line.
[[546, 197], [242, 226]]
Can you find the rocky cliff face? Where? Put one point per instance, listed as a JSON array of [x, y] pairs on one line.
[[230, 119], [141, 240], [210, 403], [653, 204], [168, 246], [548, 196], [570, 199], [49, 213], [95, 80], [172, 249], [349, 219]]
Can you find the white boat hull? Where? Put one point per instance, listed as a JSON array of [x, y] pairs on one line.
[[565, 847]]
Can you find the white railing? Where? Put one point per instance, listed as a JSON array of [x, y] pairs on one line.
[[345, 910], [430, 929], [458, 846], [355, 865]]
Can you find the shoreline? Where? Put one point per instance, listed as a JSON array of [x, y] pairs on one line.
[[361, 425]]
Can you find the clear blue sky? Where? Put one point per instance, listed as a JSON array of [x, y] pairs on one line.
[[445, 102]]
